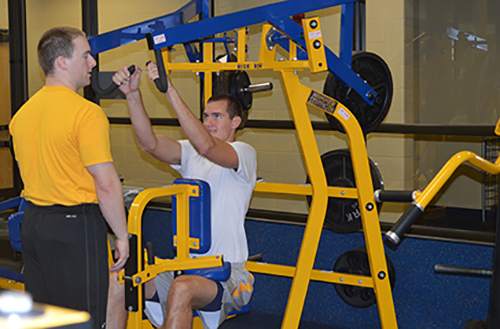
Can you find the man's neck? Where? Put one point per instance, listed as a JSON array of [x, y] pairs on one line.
[[51, 81]]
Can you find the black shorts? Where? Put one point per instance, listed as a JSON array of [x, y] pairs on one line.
[[66, 257]]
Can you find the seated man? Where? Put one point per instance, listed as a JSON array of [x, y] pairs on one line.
[[210, 153]]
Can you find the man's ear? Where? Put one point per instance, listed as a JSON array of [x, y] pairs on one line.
[[236, 122], [61, 62]]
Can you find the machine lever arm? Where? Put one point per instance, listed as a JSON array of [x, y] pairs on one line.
[[160, 82]]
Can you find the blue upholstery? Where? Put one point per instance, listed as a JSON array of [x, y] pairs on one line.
[[11, 275], [199, 214], [22, 204], [12, 203], [200, 228], [219, 273], [15, 221]]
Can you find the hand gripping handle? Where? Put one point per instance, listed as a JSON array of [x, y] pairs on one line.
[[95, 82]]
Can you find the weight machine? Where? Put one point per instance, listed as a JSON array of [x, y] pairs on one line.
[[366, 87]]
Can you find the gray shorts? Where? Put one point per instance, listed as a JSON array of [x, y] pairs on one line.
[[237, 292]]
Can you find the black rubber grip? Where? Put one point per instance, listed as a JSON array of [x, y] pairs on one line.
[[395, 236], [463, 271], [255, 258], [112, 87], [394, 196], [151, 252]]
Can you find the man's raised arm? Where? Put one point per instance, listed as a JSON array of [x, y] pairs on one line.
[[211, 147], [161, 147]]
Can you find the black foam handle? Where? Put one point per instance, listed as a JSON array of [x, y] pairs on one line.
[[95, 82], [463, 271], [394, 237], [395, 196], [160, 82], [151, 252]]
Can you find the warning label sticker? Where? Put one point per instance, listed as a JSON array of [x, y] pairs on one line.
[[322, 102]]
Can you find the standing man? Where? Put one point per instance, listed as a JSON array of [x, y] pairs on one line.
[[209, 153], [61, 142]]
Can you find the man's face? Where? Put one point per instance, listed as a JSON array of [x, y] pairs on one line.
[[81, 63], [217, 121]]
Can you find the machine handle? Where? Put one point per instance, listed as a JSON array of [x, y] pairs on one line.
[[394, 237], [395, 196], [151, 253], [95, 82], [463, 271], [160, 82]]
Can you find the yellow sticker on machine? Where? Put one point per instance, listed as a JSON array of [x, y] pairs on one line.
[[322, 102]]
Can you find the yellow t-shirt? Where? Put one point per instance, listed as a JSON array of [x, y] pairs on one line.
[[56, 134]]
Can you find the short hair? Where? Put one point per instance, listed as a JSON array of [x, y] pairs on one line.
[[233, 106], [54, 43]]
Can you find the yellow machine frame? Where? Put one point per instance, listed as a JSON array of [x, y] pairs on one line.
[[182, 262], [299, 96], [9, 284]]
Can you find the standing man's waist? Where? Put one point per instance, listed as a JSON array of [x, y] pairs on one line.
[[79, 208]]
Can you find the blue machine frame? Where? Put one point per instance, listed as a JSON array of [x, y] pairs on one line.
[[175, 29]]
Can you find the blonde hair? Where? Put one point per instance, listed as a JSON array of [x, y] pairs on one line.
[[54, 43]]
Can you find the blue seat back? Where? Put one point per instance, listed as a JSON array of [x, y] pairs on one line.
[[11, 203], [199, 215], [22, 204], [15, 221]]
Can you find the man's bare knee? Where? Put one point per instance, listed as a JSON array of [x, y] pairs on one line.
[[180, 290]]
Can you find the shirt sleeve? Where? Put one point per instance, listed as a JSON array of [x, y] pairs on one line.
[[247, 161], [93, 138], [186, 151], [11, 131]]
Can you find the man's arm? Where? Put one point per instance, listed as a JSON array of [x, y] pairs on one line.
[[211, 147], [161, 147], [110, 195]]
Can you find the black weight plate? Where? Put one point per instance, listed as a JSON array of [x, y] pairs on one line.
[[356, 262], [377, 75], [221, 80], [342, 214], [234, 83], [239, 88]]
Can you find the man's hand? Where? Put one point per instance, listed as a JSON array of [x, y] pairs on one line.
[[128, 83], [153, 74], [121, 253]]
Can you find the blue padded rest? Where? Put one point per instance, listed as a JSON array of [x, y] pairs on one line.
[[11, 275], [15, 221], [219, 273], [22, 204], [199, 214], [12, 203]]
